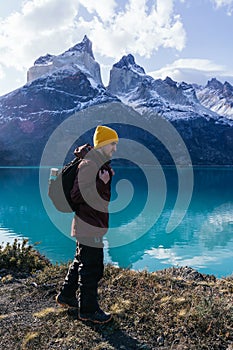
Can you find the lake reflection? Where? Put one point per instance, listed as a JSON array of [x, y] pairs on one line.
[[203, 240]]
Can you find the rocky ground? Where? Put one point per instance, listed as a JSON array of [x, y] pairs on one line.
[[176, 308]]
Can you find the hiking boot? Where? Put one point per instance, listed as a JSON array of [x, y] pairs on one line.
[[65, 301], [97, 317]]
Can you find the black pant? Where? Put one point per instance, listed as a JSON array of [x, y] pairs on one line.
[[84, 273]]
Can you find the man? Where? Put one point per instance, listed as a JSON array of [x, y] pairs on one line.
[[91, 193]]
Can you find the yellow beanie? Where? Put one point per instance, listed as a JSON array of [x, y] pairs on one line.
[[103, 136]]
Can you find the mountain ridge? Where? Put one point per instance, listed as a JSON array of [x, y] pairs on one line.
[[217, 96], [59, 86]]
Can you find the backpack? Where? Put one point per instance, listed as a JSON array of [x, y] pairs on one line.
[[60, 187]]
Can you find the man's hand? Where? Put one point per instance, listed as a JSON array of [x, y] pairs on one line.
[[104, 176]]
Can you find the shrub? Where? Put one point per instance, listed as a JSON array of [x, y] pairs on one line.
[[21, 257]]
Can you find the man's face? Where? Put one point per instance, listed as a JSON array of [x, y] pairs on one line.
[[108, 150]]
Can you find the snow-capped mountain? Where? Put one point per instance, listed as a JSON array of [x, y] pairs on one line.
[[208, 135], [217, 97], [166, 97], [79, 57], [29, 114], [58, 86]]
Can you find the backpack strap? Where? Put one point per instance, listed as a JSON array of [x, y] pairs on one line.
[[80, 152]]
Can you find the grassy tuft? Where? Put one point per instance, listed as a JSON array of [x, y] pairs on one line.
[[45, 312], [21, 257], [28, 341]]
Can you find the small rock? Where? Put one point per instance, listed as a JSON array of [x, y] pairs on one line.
[[160, 340]]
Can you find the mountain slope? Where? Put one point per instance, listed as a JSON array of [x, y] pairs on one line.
[[166, 97], [217, 97], [59, 86], [29, 115], [208, 136]]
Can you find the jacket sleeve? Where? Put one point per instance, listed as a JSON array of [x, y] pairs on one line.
[[86, 181]]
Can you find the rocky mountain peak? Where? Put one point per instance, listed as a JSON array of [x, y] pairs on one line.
[[44, 59], [125, 75], [128, 62], [228, 87], [78, 57], [225, 89], [214, 84], [84, 46], [170, 82], [217, 97]]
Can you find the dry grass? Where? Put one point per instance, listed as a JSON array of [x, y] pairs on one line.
[[169, 309]]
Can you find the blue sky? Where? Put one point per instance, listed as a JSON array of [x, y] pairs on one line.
[[188, 40]]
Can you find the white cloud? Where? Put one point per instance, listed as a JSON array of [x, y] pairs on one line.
[[138, 28], [104, 8], [176, 257], [41, 26], [220, 3], [50, 26], [217, 4], [224, 3], [193, 71]]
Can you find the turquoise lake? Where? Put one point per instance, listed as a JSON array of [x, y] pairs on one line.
[[202, 240]]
